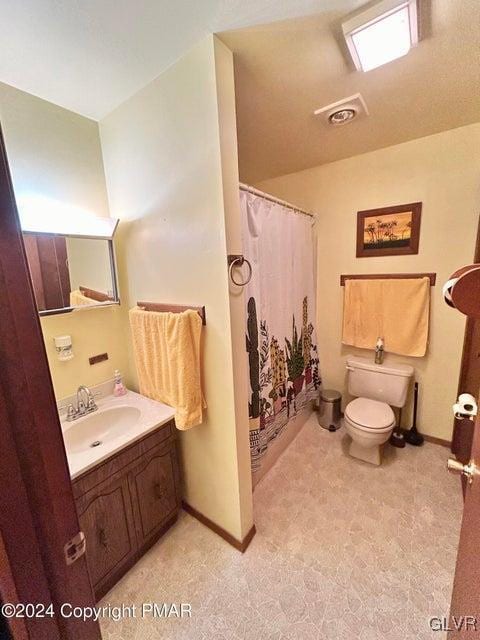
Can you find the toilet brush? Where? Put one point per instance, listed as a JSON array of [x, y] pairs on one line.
[[412, 436]]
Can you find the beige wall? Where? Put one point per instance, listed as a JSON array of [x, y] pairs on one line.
[[52, 152], [230, 180], [93, 331], [56, 154], [164, 176], [442, 171]]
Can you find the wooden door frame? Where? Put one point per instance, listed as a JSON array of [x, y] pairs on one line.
[[40, 515], [22, 574]]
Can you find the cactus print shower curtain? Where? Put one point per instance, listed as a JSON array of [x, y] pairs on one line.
[[280, 308]]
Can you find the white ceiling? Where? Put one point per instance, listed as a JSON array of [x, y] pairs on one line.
[[284, 71], [90, 55]]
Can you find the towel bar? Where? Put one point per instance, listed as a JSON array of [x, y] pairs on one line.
[[98, 296], [388, 276], [172, 308]]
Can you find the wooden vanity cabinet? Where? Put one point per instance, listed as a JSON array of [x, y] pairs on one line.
[[126, 503], [106, 519], [153, 492]]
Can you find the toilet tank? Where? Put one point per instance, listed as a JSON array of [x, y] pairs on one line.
[[384, 382]]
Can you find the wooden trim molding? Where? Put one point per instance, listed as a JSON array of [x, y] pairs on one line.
[[440, 441], [239, 545], [387, 276]]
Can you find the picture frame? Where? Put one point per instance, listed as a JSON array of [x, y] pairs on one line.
[[389, 231]]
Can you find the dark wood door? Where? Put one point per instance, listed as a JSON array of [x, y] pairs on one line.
[[105, 515], [155, 492], [38, 515], [462, 443], [48, 262], [466, 591], [469, 380]]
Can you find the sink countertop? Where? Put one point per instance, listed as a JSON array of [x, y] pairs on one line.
[[152, 415]]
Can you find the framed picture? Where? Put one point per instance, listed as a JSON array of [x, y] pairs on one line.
[[391, 231]]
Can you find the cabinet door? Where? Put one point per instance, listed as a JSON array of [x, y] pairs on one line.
[[106, 518], [154, 488]]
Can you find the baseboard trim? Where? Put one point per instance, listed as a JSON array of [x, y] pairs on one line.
[[440, 441], [239, 545]]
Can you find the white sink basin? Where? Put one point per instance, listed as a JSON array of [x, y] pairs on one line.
[[97, 429], [117, 423]]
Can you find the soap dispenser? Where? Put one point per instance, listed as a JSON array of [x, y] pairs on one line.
[[119, 388]]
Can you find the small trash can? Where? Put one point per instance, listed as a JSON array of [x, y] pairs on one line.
[[329, 411]]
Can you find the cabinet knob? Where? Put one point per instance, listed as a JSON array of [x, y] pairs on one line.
[[102, 536]]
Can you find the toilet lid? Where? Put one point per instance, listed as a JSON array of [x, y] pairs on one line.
[[370, 413]]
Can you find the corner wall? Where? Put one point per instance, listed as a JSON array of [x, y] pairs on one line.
[[443, 172], [165, 180], [234, 245]]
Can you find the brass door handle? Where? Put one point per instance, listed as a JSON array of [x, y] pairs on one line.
[[469, 470]]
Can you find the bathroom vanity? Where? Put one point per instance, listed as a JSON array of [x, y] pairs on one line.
[[126, 487]]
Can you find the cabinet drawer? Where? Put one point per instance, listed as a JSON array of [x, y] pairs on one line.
[[106, 519], [154, 488]]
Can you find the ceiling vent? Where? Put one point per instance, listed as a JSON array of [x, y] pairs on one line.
[[343, 111]]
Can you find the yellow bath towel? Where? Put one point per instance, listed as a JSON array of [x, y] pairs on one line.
[[166, 348], [78, 299], [396, 310]]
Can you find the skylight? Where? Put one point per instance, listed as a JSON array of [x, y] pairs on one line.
[[381, 34]]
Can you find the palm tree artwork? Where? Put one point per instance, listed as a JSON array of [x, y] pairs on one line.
[[388, 231]]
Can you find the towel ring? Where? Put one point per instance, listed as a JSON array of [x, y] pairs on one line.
[[239, 260]]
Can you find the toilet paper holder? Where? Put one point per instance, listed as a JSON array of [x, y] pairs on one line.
[[465, 407]]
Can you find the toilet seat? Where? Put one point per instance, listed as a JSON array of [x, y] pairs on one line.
[[370, 415]]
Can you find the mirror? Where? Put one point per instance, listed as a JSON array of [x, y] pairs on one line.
[[70, 272]]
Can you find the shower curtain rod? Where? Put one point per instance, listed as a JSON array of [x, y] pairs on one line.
[[267, 196]]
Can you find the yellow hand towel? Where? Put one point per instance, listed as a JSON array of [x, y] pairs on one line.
[[396, 310], [78, 299], [166, 348]]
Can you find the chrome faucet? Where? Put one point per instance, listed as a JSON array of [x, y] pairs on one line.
[[85, 404]]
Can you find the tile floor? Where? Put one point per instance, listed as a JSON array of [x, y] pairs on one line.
[[343, 550]]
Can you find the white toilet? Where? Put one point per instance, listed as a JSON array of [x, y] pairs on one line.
[[369, 418]]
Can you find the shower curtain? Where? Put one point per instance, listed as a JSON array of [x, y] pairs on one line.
[[280, 309]]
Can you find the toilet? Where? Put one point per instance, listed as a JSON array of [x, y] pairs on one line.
[[369, 419]]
